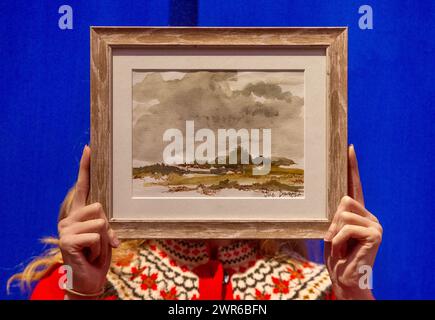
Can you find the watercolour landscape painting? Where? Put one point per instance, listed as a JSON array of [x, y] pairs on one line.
[[265, 110]]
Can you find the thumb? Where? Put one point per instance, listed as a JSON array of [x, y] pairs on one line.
[[353, 179], [82, 184]]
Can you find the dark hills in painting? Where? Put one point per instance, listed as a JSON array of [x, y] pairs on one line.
[[208, 179]]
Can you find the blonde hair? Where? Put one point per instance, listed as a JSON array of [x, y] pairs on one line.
[[42, 265]]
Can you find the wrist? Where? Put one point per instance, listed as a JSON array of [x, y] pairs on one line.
[[71, 294], [348, 293]]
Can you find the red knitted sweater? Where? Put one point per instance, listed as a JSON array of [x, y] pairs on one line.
[[179, 269]]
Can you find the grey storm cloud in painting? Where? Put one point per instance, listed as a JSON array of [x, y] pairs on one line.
[[218, 99]]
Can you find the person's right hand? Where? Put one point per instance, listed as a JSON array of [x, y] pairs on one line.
[[85, 237]]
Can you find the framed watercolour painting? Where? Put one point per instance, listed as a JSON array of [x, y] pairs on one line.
[[218, 132]]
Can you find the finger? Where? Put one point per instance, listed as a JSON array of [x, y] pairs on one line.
[[349, 204], [90, 212], [354, 182], [105, 248], [95, 251], [114, 241], [82, 184], [348, 218], [342, 218], [348, 232], [76, 243], [89, 226], [357, 220], [100, 226]]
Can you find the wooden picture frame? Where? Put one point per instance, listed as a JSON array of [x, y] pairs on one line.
[[104, 40]]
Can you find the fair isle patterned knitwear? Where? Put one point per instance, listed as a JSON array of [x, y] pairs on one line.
[[181, 269]]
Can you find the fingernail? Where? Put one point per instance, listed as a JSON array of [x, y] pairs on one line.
[[328, 236], [116, 242]]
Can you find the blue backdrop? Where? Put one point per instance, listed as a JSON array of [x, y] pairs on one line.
[[44, 106]]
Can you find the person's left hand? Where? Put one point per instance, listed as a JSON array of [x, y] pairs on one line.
[[352, 241]]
